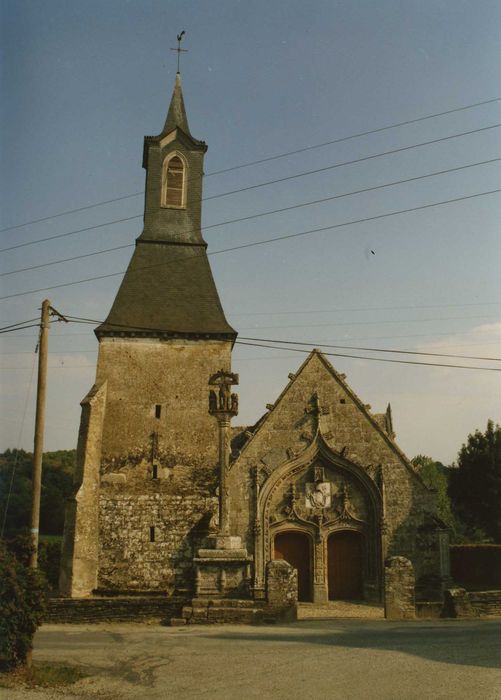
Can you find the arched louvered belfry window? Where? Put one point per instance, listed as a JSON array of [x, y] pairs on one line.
[[174, 182]]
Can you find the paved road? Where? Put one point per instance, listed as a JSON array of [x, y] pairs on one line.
[[346, 659]]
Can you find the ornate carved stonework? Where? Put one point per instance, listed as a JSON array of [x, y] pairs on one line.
[[222, 401], [318, 495], [319, 498]]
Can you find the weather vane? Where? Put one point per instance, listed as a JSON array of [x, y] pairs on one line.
[[179, 49]]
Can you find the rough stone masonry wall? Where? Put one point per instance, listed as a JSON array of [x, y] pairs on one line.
[[282, 588], [118, 609], [130, 561], [144, 373], [156, 471]]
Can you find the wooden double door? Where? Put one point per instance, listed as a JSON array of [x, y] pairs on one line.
[[345, 565], [295, 548], [345, 551]]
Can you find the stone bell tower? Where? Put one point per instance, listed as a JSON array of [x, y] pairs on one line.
[[147, 455]]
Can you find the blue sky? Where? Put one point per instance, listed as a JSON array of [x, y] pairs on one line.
[[84, 82]]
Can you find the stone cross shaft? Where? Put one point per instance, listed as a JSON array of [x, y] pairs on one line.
[[223, 405]]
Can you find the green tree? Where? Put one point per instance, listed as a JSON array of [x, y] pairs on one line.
[[475, 482], [436, 476], [15, 490]]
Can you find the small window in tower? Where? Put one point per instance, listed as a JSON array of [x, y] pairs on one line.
[[154, 471], [342, 400], [158, 410], [174, 183], [152, 533]]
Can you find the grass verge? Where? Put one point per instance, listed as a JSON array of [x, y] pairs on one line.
[[41, 675]]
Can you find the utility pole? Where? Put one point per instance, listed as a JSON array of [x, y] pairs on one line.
[[43, 345]]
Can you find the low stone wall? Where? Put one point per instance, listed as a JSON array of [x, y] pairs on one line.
[[115, 609], [486, 603], [461, 603]]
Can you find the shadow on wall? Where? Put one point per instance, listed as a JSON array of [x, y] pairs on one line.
[[182, 557], [424, 539]]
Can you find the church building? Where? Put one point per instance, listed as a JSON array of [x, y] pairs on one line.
[[171, 498]]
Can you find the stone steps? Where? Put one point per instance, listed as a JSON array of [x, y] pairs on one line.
[[230, 610]]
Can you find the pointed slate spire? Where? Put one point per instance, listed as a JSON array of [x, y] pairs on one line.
[[176, 116], [168, 289]]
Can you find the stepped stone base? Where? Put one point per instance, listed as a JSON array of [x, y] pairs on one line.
[[204, 611], [222, 568]]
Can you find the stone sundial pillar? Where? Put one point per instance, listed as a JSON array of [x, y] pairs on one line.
[[223, 405], [222, 565]]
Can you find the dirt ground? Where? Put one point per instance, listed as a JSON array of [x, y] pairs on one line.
[[340, 610], [310, 659]]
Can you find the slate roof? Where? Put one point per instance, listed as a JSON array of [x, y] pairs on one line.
[[168, 289]]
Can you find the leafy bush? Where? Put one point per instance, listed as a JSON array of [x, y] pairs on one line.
[[22, 604], [49, 560], [49, 555]]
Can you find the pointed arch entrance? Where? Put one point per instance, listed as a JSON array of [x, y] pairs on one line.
[[349, 500], [295, 548], [345, 558]]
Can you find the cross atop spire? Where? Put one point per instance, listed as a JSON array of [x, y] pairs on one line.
[[179, 49]]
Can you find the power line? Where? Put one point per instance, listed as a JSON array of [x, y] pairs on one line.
[[264, 160], [93, 321], [264, 242], [63, 260], [71, 233], [93, 351], [364, 308], [60, 366], [348, 138], [364, 338], [253, 216], [366, 323], [258, 342], [374, 359], [20, 323], [16, 327], [350, 162], [52, 352], [366, 349], [20, 328], [266, 183]]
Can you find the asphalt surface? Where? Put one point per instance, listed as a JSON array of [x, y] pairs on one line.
[[348, 659]]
